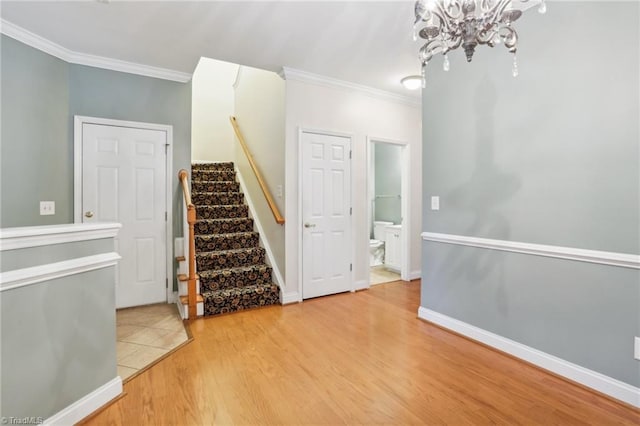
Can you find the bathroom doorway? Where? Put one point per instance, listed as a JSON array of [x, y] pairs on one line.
[[388, 192]]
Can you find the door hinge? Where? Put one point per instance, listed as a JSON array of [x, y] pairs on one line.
[[351, 266], [166, 216], [350, 211], [167, 282], [350, 153]]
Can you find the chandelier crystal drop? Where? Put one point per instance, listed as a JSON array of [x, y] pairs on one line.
[[449, 24]]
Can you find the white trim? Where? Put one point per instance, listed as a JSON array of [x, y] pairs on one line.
[[34, 236], [78, 122], [306, 77], [86, 405], [362, 284], [350, 136], [601, 383], [592, 256], [172, 296], [260, 228], [415, 275], [236, 82], [30, 39], [405, 203], [23, 277], [291, 297]]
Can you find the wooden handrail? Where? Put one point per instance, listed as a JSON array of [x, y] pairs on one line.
[[183, 176], [267, 195]]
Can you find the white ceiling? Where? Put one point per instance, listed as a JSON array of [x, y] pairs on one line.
[[365, 42]]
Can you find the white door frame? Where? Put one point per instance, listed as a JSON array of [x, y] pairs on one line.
[[78, 122], [404, 205], [300, 225]]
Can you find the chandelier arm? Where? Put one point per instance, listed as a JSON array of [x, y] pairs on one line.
[[497, 10], [429, 49], [510, 39], [444, 16]]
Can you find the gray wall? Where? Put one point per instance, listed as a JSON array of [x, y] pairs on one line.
[[41, 95], [58, 336], [550, 157], [102, 93], [388, 181], [36, 157]]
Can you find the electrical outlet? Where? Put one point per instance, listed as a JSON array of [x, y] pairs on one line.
[[435, 203], [636, 348], [47, 208]]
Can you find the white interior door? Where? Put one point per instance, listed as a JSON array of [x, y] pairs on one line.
[[326, 214], [123, 180]]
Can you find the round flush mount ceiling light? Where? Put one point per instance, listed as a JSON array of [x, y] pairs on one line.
[[412, 82]]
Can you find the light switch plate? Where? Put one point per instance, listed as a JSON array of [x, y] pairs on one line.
[[47, 208], [435, 203]]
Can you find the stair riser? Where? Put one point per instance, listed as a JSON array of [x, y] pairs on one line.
[[217, 198], [233, 301], [222, 260], [183, 287], [214, 175], [212, 166], [222, 212], [228, 280], [224, 226], [203, 186], [227, 242]]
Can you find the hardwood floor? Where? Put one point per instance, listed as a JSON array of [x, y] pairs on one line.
[[354, 358]]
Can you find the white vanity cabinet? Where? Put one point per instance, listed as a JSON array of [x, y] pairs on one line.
[[393, 247]]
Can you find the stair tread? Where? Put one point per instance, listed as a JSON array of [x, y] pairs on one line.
[[230, 219], [185, 277], [210, 181], [185, 299], [212, 206], [238, 269], [230, 251], [227, 235], [245, 289]]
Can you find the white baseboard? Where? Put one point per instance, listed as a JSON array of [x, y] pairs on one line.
[[415, 275], [87, 404], [361, 285], [597, 381], [291, 297], [172, 296], [263, 236]]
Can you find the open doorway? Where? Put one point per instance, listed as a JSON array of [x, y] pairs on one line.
[[388, 192]]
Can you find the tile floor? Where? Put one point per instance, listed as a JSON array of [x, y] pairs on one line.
[[146, 333], [380, 275]]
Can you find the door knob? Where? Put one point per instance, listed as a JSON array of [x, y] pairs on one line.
[[88, 214], [309, 225]]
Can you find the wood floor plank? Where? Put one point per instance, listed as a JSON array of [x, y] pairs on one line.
[[354, 358]]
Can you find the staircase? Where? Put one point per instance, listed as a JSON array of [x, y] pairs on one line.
[[233, 275]]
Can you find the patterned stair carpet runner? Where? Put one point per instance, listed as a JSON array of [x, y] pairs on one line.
[[230, 261]]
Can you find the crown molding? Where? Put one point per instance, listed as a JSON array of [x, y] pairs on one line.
[[287, 73], [37, 42]]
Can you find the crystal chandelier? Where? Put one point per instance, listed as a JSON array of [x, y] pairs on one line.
[[448, 24]]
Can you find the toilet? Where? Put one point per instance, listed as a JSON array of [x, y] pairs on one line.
[[376, 245]]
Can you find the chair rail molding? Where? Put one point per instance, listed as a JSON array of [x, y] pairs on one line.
[[36, 274], [623, 260], [34, 236]]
